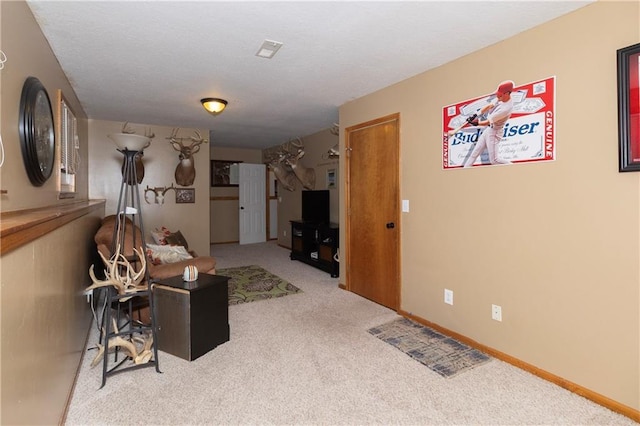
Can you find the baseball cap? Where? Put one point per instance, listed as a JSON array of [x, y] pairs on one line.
[[505, 86]]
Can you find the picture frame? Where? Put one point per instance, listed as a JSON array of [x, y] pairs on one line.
[[224, 173], [331, 178], [185, 195], [628, 62]]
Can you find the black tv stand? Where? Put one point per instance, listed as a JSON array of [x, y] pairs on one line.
[[316, 244]]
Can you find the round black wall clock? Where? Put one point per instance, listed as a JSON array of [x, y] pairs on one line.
[[36, 131]]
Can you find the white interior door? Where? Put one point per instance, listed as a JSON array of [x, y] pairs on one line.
[[253, 200]]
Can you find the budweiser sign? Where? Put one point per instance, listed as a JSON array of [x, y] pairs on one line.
[[527, 136]]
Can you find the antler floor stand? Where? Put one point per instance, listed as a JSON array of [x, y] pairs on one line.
[[129, 206]]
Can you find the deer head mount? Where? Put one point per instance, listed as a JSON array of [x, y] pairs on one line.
[[139, 165], [284, 175], [306, 175], [185, 172], [285, 163]]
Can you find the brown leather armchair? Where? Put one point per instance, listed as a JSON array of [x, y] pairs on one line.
[[104, 238]]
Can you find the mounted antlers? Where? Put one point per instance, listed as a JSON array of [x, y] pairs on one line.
[[185, 170], [158, 193], [333, 152]]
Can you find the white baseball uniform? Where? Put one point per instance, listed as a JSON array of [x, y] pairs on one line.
[[491, 136]]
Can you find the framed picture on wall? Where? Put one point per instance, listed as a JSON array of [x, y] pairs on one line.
[[224, 173], [185, 195], [331, 178], [529, 134], [629, 108]]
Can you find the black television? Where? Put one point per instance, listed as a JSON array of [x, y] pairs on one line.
[[315, 206]]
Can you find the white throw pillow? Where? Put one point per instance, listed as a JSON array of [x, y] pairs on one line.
[[159, 235], [167, 254]]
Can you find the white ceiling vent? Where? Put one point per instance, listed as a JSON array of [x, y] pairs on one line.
[[268, 49]]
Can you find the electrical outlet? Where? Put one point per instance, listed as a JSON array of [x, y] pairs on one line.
[[496, 312], [448, 296], [285, 233], [88, 294]]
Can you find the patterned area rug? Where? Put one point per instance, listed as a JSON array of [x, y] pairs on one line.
[[253, 283], [442, 354]]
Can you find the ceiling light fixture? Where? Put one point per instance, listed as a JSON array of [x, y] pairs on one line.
[[214, 106], [268, 49]]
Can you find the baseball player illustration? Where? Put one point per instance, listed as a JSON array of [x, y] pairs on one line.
[[497, 113]]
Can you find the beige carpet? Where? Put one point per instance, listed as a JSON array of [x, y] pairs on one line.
[[308, 359]]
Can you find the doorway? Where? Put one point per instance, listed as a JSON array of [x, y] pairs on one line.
[[252, 199], [372, 210]]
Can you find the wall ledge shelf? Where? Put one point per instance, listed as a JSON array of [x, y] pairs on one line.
[[20, 227]]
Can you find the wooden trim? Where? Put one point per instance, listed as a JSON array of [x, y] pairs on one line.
[[225, 198], [20, 227], [550, 377], [169, 288]]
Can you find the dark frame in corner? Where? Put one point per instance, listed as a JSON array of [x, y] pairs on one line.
[[628, 60], [220, 173]]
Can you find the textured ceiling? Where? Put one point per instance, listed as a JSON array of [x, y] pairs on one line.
[[151, 62]]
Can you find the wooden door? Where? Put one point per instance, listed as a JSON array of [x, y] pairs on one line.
[[253, 211], [372, 216]]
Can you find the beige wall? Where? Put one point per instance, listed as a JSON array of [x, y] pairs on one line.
[[28, 54], [45, 320], [555, 244], [44, 316], [290, 202], [225, 226], [160, 160]]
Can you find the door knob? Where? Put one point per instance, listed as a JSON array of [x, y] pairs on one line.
[[241, 208], [391, 225]]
